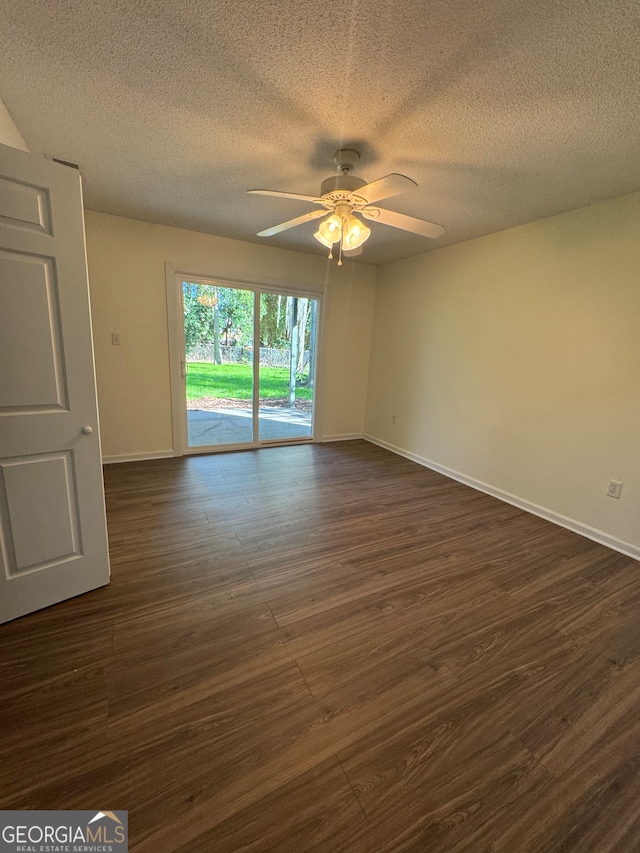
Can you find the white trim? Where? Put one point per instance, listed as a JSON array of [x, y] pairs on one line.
[[264, 283], [347, 436], [175, 331], [592, 533], [212, 449], [137, 457]]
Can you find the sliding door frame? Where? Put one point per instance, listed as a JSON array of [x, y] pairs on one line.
[[174, 276]]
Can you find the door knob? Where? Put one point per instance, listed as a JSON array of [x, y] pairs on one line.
[[87, 430]]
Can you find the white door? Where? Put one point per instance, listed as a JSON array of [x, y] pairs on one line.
[[53, 541]]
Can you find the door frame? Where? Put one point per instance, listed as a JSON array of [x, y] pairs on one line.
[[174, 276]]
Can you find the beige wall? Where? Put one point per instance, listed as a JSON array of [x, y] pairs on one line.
[[514, 361], [127, 281], [511, 361], [9, 133]]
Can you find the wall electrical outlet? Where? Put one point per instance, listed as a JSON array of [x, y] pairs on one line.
[[615, 487], [115, 339]]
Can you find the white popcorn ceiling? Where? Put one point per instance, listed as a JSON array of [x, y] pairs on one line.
[[503, 111]]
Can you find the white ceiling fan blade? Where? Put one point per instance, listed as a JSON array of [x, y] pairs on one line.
[[291, 223], [385, 187], [400, 220], [279, 194]]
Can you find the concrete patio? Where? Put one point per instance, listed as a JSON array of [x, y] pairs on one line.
[[235, 426]]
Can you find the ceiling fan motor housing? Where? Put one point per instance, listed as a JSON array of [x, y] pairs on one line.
[[345, 183]]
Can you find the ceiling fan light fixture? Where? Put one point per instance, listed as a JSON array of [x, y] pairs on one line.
[[355, 234], [331, 229], [344, 194]]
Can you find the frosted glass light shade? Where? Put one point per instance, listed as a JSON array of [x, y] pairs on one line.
[[355, 234], [321, 239], [331, 229]]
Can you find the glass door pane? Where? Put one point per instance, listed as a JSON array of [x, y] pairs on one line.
[[288, 332], [218, 332]]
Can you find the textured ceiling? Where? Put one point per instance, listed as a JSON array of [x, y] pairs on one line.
[[503, 111]]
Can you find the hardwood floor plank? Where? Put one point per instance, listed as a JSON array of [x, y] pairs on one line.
[[437, 786], [330, 649], [39, 648], [586, 703], [244, 770], [593, 809], [386, 632], [76, 702], [304, 816], [172, 666]]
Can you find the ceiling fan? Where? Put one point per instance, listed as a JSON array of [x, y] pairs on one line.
[[344, 195]]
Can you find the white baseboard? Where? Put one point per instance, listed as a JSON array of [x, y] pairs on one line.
[[592, 533], [350, 436], [137, 457]]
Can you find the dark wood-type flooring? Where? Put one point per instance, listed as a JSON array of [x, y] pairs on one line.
[[330, 648]]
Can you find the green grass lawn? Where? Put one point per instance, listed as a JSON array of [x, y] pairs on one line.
[[234, 381]]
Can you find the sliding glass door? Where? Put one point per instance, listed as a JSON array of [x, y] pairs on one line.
[[287, 366], [249, 365], [218, 337]]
